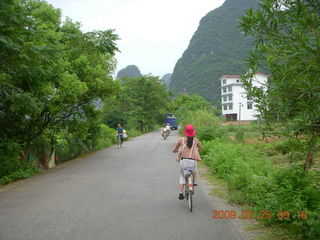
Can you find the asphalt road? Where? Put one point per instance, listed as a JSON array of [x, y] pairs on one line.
[[116, 194]]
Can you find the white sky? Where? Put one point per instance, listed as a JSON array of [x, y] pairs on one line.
[[154, 33]]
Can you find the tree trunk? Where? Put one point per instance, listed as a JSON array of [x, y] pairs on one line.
[[310, 154], [309, 161]]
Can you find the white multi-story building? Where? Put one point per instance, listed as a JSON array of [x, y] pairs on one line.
[[236, 104]]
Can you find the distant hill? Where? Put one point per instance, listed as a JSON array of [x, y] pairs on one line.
[[167, 79], [217, 47], [130, 71]]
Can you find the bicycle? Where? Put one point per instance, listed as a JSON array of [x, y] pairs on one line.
[[119, 141], [165, 134], [189, 167]]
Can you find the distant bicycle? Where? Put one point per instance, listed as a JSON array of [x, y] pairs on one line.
[[189, 167], [119, 140], [165, 134]]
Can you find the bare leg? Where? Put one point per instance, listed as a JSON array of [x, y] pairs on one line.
[[181, 187]]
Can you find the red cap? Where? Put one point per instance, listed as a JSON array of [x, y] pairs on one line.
[[189, 131]]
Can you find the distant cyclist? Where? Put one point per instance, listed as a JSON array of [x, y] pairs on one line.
[[120, 133], [188, 148], [166, 129]]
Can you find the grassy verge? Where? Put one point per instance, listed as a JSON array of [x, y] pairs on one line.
[[23, 172]]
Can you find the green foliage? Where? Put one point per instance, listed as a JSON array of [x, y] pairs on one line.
[[9, 155], [294, 190], [52, 73], [204, 122], [114, 117], [69, 147], [288, 44], [140, 104], [106, 137], [193, 109], [240, 135], [214, 49], [253, 180], [24, 171], [52, 77]]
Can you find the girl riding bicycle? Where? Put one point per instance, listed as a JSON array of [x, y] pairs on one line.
[[188, 148]]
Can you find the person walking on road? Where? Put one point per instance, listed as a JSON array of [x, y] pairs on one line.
[[188, 148]]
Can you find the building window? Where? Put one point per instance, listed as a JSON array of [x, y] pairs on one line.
[[225, 107], [249, 105], [249, 98], [230, 97], [224, 98], [230, 106], [230, 89], [224, 90], [224, 81]]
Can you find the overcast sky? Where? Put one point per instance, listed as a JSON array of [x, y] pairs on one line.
[[154, 33]]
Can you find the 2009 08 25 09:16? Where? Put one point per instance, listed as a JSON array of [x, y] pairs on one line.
[[232, 214]]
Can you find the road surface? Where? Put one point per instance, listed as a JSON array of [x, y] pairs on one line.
[[116, 194]]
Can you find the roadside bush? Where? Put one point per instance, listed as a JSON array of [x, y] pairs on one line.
[[290, 145], [253, 180], [11, 167], [133, 133], [294, 190], [241, 166], [105, 138], [205, 123], [68, 147], [24, 171], [9, 156]]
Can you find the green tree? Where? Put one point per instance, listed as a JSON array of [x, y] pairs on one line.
[[186, 103], [141, 103], [287, 34], [51, 74]]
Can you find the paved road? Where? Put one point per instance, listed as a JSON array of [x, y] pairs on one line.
[[116, 194]]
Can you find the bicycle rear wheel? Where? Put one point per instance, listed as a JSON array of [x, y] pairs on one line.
[[119, 141], [189, 191], [190, 202]]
